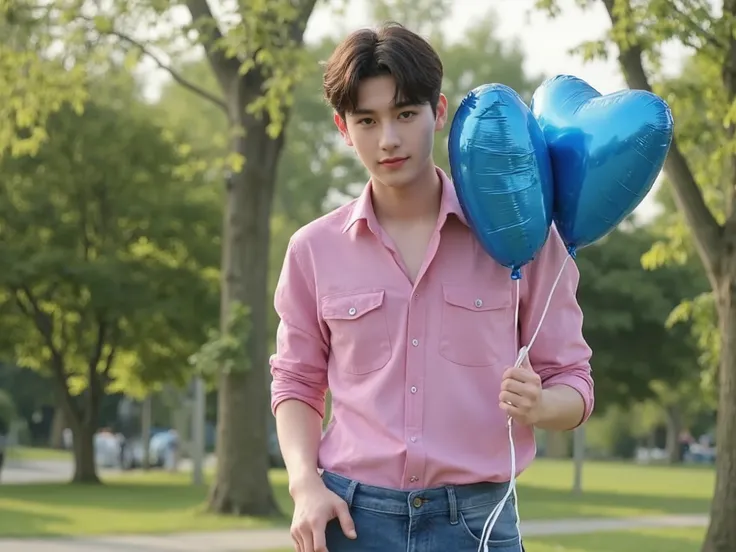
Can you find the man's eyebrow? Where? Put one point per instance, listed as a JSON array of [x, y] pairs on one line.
[[398, 105]]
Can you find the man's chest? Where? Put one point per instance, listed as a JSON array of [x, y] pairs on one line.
[[458, 312]]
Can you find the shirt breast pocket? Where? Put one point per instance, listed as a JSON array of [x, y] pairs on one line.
[[360, 341], [477, 326]]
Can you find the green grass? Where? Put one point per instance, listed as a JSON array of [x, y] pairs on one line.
[[613, 490], [654, 540], [159, 502], [37, 453], [649, 540], [154, 502]]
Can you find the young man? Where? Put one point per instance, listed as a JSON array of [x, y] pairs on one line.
[[391, 303]]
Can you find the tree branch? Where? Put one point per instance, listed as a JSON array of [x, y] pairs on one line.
[[44, 325], [219, 102], [40, 318], [95, 386], [687, 195], [709, 38], [226, 68]]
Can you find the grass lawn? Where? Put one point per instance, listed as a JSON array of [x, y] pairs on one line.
[[659, 540], [650, 540], [160, 502], [36, 453]]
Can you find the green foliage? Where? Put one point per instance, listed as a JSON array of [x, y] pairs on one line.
[[34, 84], [111, 260], [626, 310], [226, 352]]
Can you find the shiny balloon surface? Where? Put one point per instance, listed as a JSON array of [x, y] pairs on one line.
[[502, 174], [606, 152]]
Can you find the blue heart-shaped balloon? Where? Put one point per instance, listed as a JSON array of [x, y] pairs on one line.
[[502, 174], [606, 153]]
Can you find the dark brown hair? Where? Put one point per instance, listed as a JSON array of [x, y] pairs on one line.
[[391, 50]]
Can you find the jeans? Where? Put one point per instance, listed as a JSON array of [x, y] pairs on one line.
[[444, 519]]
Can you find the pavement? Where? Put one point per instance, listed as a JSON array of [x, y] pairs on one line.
[[36, 471], [270, 539]]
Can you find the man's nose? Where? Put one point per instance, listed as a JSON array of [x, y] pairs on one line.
[[389, 137]]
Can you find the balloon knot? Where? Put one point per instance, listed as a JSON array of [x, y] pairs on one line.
[[572, 250], [516, 273]]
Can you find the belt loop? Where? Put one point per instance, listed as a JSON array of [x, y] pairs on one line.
[[350, 492], [452, 500]]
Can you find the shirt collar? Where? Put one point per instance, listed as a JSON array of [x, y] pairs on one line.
[[363, 206]]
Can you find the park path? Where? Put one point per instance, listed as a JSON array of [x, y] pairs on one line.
[[263, 540]]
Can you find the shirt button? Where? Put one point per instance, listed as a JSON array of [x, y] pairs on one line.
[[413, 389], [417, 500], [478, 303], [352, 311], [413, 439], [415, 342]]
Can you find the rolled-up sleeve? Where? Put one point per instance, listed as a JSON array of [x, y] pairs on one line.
[[560, 354], [299, 365]]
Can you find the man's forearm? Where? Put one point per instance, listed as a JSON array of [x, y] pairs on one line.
[[562, 408], [299, 429]]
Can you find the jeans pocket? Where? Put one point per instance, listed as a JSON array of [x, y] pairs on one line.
[[505, 533]]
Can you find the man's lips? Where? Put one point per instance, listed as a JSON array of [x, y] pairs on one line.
[[393, 161]]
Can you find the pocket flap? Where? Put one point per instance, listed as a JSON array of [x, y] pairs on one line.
[[352, 306], [470, 299]]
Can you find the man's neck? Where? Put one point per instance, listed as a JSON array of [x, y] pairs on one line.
[[419, 200]]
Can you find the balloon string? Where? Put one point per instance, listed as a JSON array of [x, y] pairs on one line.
[[496, 513]]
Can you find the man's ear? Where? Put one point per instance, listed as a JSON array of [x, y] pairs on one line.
[[343, 128], [441, 118]]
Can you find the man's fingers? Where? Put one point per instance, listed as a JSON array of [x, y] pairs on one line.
[[514, 386], [319, 538], [346, 520], [306, 539], [521, 374], [513, 399], [298, 541]]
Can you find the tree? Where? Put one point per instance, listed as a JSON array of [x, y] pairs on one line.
[[254, 52], [638, 29], [626, 311], [108, 278]]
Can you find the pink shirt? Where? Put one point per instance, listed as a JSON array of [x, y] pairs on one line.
[[415, 370]]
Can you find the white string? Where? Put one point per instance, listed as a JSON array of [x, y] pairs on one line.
[[523, 351]]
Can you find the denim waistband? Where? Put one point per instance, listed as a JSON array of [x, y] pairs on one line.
[[450, 498]]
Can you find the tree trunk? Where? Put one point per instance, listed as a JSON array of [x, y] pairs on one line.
[[674, 428], [58, 424], [85, 469], [82, 422], [721, 536], [242, 486]]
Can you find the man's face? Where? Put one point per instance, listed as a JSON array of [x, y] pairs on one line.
[[394, 142]]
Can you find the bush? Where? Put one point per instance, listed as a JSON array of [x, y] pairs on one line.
[[7, 412]]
